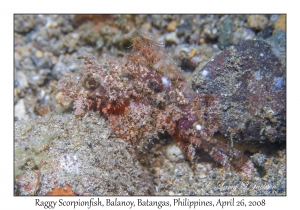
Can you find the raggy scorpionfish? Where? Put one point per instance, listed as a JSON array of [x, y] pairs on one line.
[[144, 95]]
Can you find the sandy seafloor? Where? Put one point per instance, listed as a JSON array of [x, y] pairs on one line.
[[83, 156]]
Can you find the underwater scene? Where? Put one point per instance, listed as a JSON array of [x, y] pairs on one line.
[[150, 105]]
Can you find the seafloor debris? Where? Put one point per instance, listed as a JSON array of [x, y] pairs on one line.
[[249, 81], [59, 154], [146, 95]]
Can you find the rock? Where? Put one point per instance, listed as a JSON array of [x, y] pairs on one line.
[[278, 41], [257, 22], [259, 159], [273, 18], [62, 103], [242, 34], [213, 174], [195, 61], [40, 78], [281, 23], [146, 26], [201, 41], [192, 53], [41, 61], [26, 23], [21, 80], [38, 54], [249, 81], [225, 38], [171, 193], [202, 176], [20, 110], [172, 26], [266, 32], [174, 153], [172, 38]]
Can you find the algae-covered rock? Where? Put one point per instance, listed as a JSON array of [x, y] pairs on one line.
[[249, 80]]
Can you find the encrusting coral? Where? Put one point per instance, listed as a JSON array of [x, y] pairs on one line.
[[145, 95]]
